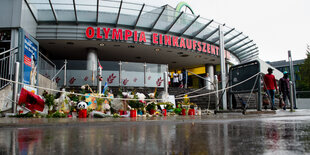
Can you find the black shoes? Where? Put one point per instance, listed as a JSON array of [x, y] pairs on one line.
[[273, 108]]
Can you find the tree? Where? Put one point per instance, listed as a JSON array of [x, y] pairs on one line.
[[305, 71]]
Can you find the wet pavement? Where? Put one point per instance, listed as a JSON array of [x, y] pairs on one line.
[[280, 133]]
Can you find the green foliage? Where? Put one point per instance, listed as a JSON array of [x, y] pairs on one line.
[[26, 115], [151, 106], [169, 106], [29, 115], [116, 115], [49, 99], [56, 114], [305, 74], [73, 97], [177, 111], [135, 104]]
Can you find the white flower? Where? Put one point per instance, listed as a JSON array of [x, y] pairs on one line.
[[151, 95], [140, 96], [130, 96], [107, 106], [117, 104]]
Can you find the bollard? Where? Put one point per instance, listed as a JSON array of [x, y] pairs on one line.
[[291, 94], [99, 80], [217, 93], [15, 87]]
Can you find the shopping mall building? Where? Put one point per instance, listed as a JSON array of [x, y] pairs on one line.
[[134, 43]]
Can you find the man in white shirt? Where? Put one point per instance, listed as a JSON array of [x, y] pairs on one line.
[[175, 79]]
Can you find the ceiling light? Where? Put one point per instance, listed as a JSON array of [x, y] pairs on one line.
[[157, 49], [101, 44]]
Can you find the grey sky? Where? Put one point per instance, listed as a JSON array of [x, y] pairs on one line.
[[276, 26]]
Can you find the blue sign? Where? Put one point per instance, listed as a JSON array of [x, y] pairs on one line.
[[30, 61]]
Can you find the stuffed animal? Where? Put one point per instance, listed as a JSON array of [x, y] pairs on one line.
[[82, 105]]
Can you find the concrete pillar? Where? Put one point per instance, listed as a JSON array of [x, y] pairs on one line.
[[223, 66], [92, 58], [227, 68]]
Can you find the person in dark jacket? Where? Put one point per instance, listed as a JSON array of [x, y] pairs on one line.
[[284, 88]]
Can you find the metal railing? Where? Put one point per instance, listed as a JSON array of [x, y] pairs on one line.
[[46, 67], [7, 59]]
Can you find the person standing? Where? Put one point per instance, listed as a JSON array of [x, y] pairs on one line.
[[181, 80], [175, 79], [208, 82], [284, 89], [270, 86]]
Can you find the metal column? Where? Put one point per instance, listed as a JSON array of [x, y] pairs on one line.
[[217, 106], [15, 86], [120, 73], [166, 82], [99, 80], [223, 67], [65, 73], [292, 78], [259, 93]]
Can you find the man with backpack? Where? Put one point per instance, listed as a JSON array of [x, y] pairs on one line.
[[284, 88]]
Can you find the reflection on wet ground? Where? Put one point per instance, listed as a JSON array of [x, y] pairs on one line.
[[283, 135]]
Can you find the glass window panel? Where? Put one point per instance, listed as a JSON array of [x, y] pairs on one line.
[[132, 74], [184, 21], [86, 13], [166, 19], [155, 75], [108, 12], [199, 23], [234, 40], [147, 17], [213, 26], [64, 12], [129, 14]]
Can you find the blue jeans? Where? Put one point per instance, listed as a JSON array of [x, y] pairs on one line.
[[271, 95]]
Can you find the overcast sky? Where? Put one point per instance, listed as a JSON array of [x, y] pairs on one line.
[[276, 26]]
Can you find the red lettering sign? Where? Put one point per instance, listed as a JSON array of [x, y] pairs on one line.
[[175, 41], [90, 32], [204, 47], [154, 38], [161, 39], [98, 35], [118, 35], [106, 33], [142, 37], [199, 46], [189, 44], [128, 34], [182, 43], [167, 40]]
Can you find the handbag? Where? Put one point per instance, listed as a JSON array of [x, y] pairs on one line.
[[266, 100]]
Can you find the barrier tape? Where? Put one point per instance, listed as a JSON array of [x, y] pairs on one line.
[[129, 99]]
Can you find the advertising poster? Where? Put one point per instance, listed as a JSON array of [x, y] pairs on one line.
[[30, 61]]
